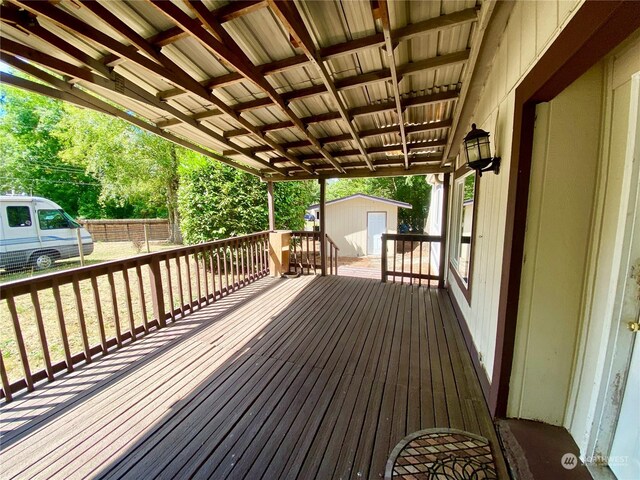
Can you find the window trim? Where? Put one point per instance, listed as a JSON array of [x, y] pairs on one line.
[[465, 288]]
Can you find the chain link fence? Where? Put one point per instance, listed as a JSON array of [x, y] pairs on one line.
[[96, 242]]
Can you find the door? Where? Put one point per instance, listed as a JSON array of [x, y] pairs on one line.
[[376, 226], [624, 459]]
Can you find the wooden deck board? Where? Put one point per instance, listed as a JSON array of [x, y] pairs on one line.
[[302, 378]]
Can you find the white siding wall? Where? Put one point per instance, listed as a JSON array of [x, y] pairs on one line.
[[531, 28], [346, 223]]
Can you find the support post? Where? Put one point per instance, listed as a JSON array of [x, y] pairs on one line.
[[80, 246], [443, 230], [157, 293], [384, 258], [323, 233], [272, 211]]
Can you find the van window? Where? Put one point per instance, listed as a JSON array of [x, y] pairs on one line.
[[52, 219], [19, 216]]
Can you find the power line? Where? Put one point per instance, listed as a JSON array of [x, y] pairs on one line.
[[49, 181]]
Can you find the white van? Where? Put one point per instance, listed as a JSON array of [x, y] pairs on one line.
[[35, 232]]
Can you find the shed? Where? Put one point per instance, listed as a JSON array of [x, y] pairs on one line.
[[356, 222]]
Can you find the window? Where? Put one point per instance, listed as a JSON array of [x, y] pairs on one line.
[[464, 195], [52, 219], [19, 216]]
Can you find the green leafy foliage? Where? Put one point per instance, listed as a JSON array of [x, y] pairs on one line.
[[29, 153], [217, 201], [410, 189]]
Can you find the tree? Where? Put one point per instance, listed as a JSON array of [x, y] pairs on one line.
[[134, 167], [412, 189], [30, 151], [217, 201]]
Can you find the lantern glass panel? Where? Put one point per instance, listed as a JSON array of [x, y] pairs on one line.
[[473, 150], [484, 147]]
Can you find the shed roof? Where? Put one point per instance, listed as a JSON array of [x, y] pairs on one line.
[[368, 197], [284, 90]]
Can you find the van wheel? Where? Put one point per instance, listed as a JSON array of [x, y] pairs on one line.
[[42, 261]]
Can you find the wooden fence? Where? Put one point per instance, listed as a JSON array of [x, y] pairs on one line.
[[176, 282], [305, 256], [121, 230], [411, 259]]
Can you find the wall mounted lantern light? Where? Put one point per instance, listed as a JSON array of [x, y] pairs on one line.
[[477, 151]]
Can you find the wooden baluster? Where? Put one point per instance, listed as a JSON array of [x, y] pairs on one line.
[[20, 341], [167, 269], [127, 290], [402, 263], [242, 276], [252, 264], [180, 289], [331, 259], [198, 285], [143, 304], [430, 263], [218, 258], [41, 332], [83, 326], [61, 324], [6, 388], [336, 259], [189, 287], [314, 252], [236, 247], [96, 301], [395, 255], [420, 266], [205, 275], [411, 268], [213, 274], [114, 307], [308, 262], [226, 268], [383, 260]]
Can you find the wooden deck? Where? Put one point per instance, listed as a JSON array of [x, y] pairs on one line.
[[315, 377]]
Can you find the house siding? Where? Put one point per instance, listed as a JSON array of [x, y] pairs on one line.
[[532, 26]]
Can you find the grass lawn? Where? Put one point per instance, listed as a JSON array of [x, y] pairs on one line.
[[104, 251]]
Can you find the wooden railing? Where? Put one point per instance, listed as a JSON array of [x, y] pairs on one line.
[[51, 315], [406, 258], [305, 255], [332, 265]]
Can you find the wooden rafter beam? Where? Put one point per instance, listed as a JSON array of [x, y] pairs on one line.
[[290, 17], [10, 50], [364, 173], [389, 47], [346, 48], [423, 159], [159, 67], [370, 151], [64, 91], [373, 132], [220, 43], [354, 81], [330, 116]]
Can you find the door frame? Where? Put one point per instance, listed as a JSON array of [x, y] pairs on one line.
[[386, 227]]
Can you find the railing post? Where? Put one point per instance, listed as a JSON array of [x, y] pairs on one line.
[[157, 293], [384, 258], [323, 231], [443, 231], [271, 207]]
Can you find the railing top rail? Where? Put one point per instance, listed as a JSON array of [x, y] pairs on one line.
[[23, 286], [412, 236], [332, 242]]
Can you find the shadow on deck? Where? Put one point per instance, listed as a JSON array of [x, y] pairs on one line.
[[315, 377]]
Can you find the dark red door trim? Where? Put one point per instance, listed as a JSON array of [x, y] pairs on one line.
[[596, 29]]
